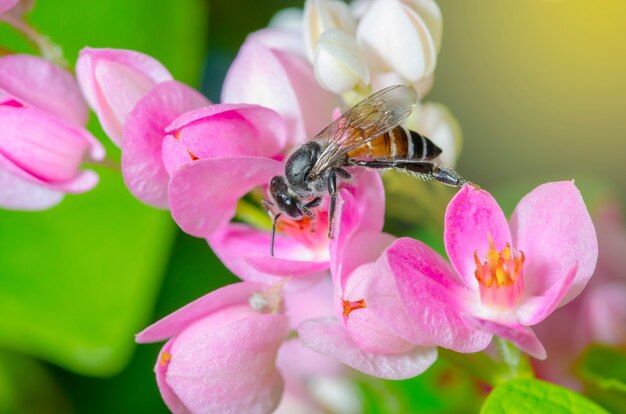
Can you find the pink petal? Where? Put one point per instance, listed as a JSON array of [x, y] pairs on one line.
[[175, 405], [113, 81], [37, 82], [232, 295], [7, 5], [553, 228], [20, 194], [281, 81], [203, 194], [471, 217], [314, 302], [230, 369], [534, 309], [604, 312], [369, 192], [284, 267], [361, 248], [417, 294], [142, 165], [237, 241], [368, 332], [360, 207], [264, 128], [44, 149], [522, 336], [327, 336]]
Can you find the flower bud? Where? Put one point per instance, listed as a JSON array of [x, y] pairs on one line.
[[395, 38], [338, 63], [113, 81], [221, 354], [34, 81], [40, 150], [322, 15]]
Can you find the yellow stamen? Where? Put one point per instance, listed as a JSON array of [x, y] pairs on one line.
[[165, 358]]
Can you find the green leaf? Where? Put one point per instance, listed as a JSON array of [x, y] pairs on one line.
[[443, 388], [605, 367], [533, 396], [79, 280]]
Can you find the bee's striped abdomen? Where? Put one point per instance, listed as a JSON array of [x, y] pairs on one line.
[[421, 148], [399, 144]]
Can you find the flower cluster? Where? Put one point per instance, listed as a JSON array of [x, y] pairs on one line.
[[364, 299]]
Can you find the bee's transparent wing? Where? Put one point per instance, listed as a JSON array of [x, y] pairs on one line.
[[372, 117]]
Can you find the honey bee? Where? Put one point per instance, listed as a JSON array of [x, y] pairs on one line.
[[367, 135]]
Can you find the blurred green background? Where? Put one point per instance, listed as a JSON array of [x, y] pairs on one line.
[[538, 86]]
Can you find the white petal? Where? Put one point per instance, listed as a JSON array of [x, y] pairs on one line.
[[338, 63], [395, 38], [321, 15]]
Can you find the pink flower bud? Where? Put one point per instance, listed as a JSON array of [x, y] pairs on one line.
[[222, 351], [34, 81], [40, 150], [113, 81]]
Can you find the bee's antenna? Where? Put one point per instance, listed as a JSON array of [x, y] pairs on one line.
[[274, 233]]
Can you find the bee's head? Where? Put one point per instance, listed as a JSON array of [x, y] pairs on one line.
[[286, 203], [299, 164]]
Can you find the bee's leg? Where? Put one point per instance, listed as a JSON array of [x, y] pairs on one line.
[[426, 170], [343, 173], [311, 204], [274, 233], [332, 189]]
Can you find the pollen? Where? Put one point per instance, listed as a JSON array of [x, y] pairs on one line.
[[165, 358], [193, 156], [500, 276], [349, 306], [501, 267]]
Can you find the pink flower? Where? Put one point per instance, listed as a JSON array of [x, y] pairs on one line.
[[356, 336], [271, 70], [502, 279], [144, 132], [113, 81], [301, 247], [221, 352], [306, 372], [215, 155], [43, 143], [598, 313]]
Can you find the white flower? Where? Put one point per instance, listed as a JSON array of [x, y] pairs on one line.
[[338, 63], [321, 15], [395, 38]]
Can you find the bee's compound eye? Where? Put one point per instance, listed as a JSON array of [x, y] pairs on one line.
[[285, 202]]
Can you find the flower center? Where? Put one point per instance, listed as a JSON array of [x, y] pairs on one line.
[[500, 276], [310, 231]]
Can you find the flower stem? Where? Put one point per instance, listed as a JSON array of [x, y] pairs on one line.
[[47, 48], [518, 364]]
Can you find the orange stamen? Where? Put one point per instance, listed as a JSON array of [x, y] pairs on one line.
[[165, 358], [349, 306]]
